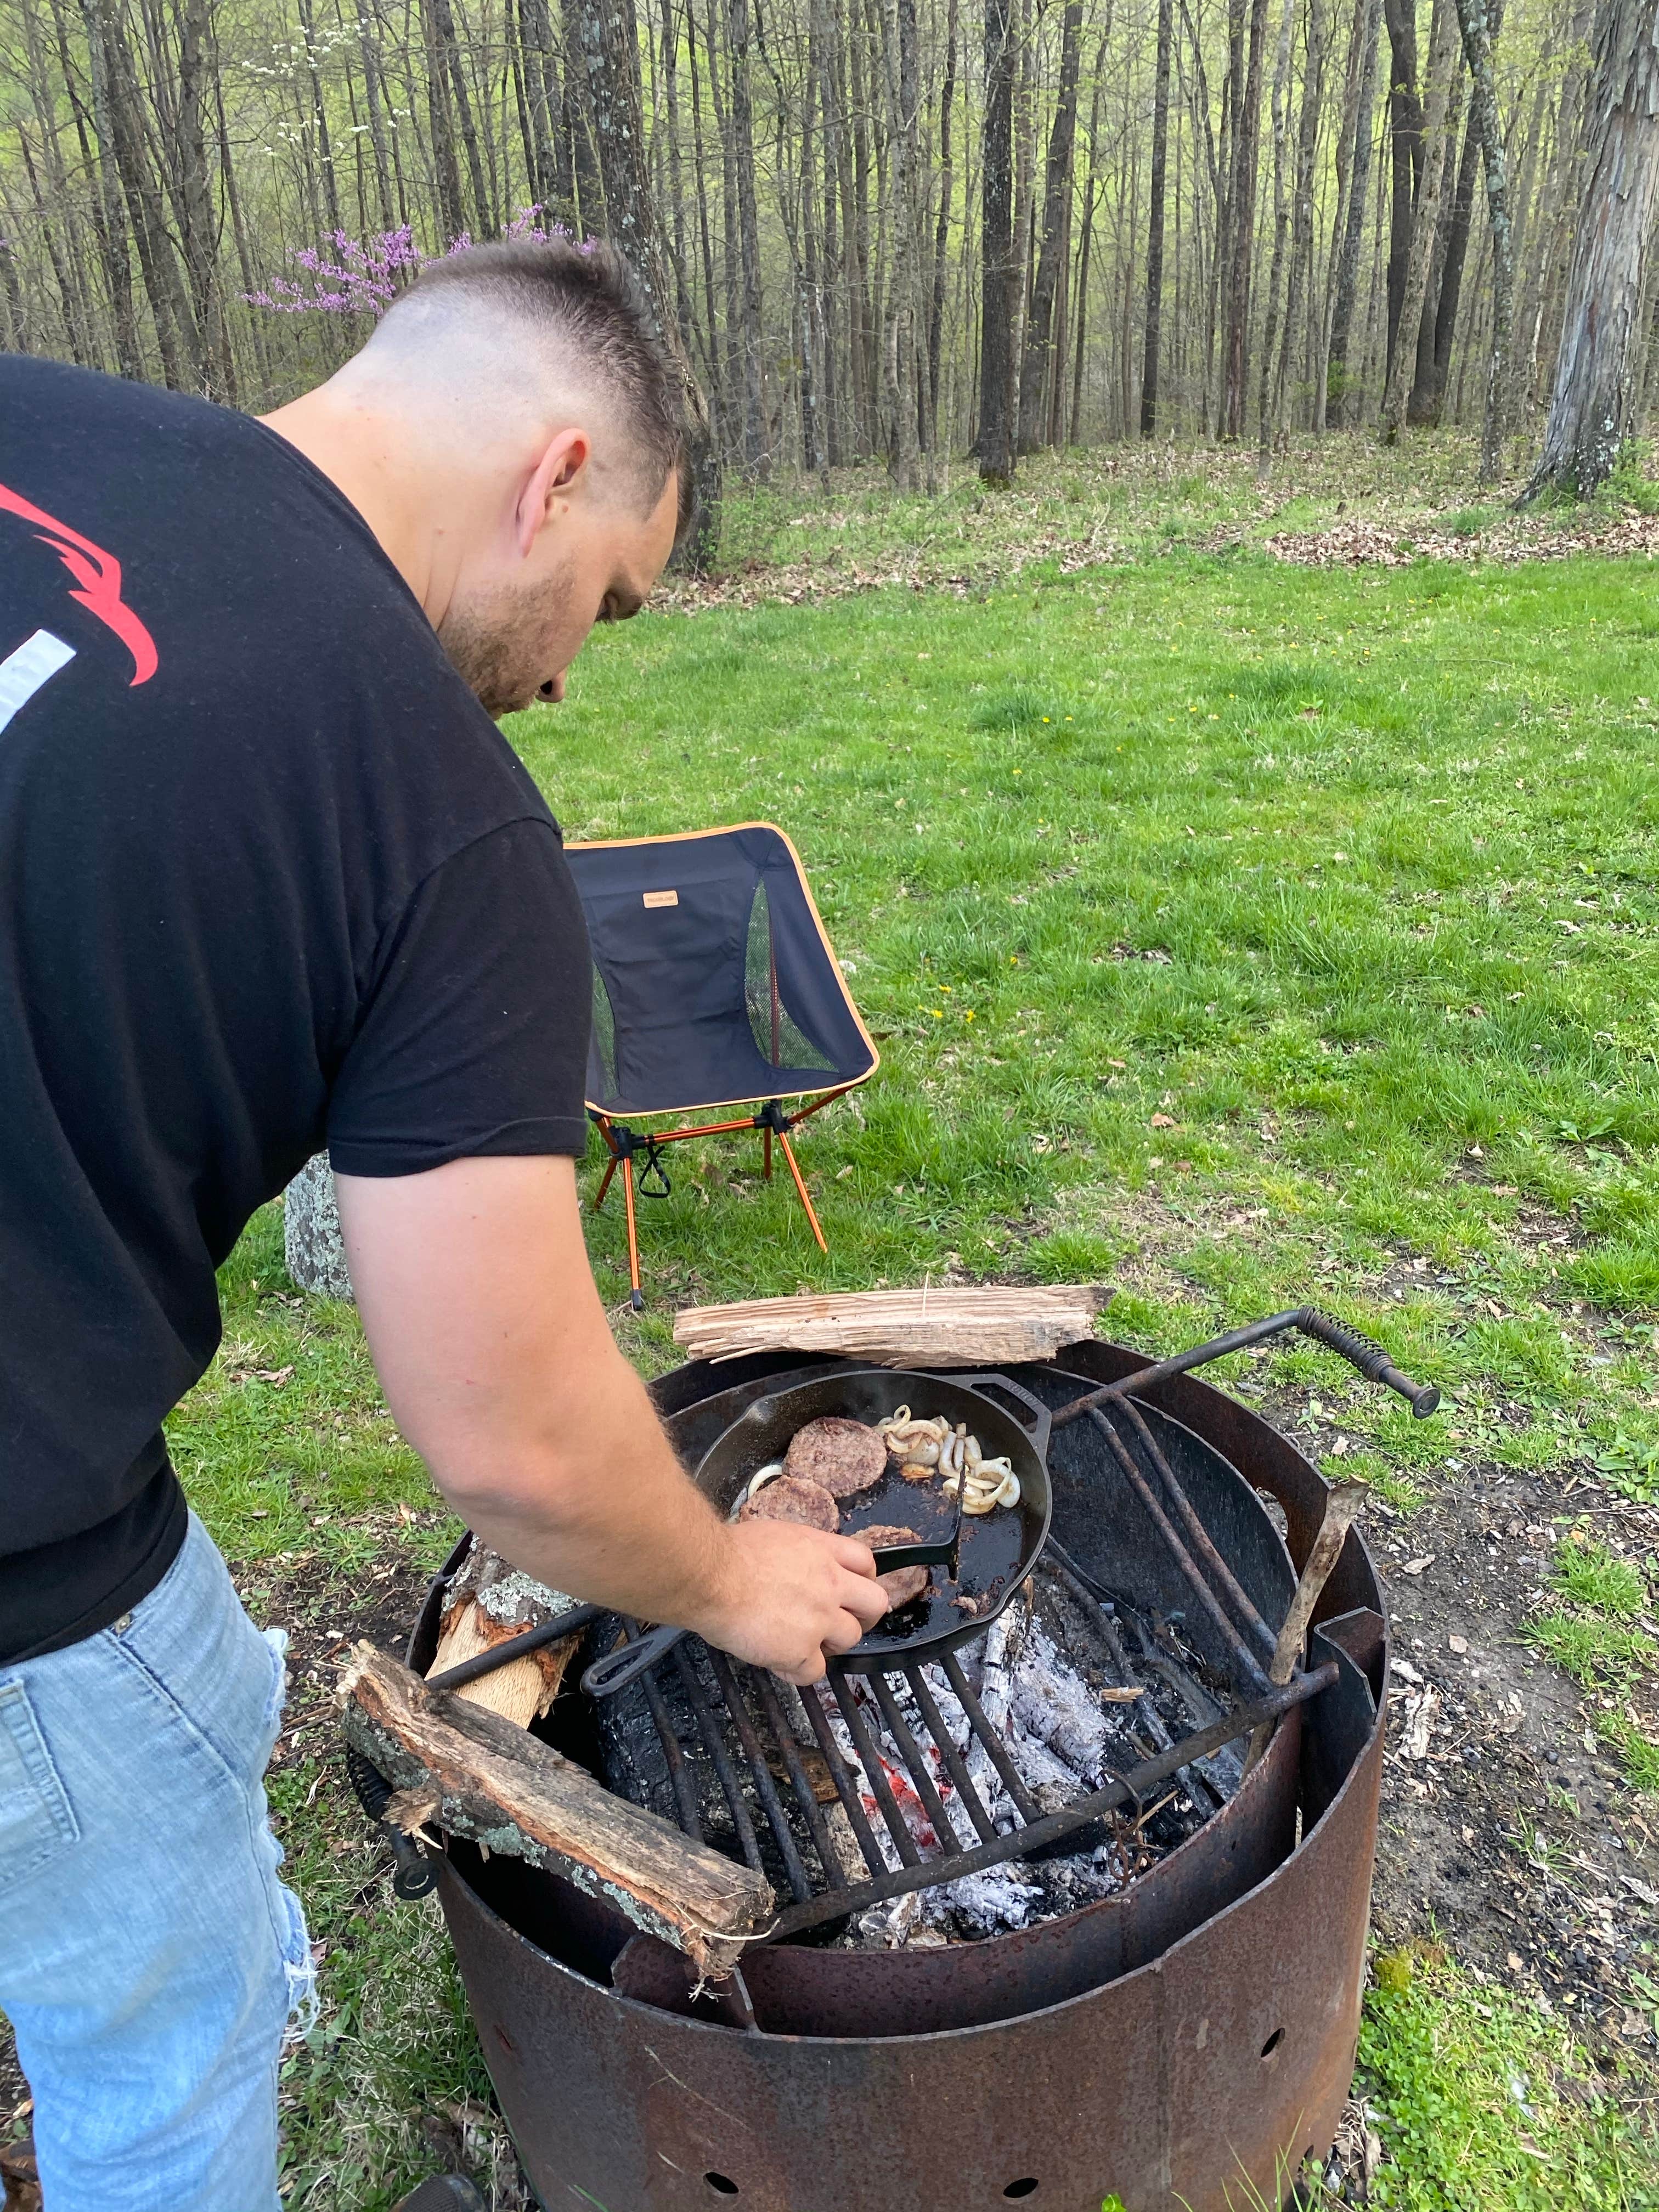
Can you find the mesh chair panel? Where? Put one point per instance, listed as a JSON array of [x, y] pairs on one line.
[[602, 1045], [779, 1038], [687, 933]]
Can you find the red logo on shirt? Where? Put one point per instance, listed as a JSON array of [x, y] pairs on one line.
[[99, 575]]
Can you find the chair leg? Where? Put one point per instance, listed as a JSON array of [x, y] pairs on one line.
[[604, 1185], [765, 1152], [636, 1297], [800, 1185]]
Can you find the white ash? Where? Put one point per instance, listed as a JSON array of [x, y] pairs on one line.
[[1052, 1703], [1058, 1740]]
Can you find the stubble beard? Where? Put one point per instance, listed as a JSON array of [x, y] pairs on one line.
[[498, 646]]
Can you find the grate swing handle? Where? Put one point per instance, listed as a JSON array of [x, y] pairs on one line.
[[1366, 1354], [1360, 1351], [417, 1874]]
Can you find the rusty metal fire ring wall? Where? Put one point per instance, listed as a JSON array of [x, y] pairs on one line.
[[1191, 2080]]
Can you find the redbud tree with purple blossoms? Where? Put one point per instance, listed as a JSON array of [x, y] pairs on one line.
[[347, 276]]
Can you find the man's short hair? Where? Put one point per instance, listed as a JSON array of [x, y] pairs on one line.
[[588, 300]]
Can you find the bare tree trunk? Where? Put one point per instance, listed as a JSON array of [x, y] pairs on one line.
[[1154, 226], [611, 38], [1024, 183], [942, 225], [78, 306], [1300, 281], [449, 51], [1429, 398], [718, 395], [1422, 403], [1367, 21], [1038, 362], [191, 195], [313, 1250], [78, 340], [1480, 28], [1281, 233], [1236, 277], [375, 102], [899, 334], [855, 201], [1090, 194], [811, 281], [1441, 61], [1406, 150], [1599, 364], [535, 45], [994, 444], [169, 310], [108, 223], [1074, 434], [17, 335], [586, 194], [319, 116], [831, 303], [740, 116], [452, 211]]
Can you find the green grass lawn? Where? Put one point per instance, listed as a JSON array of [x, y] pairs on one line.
[[1236, 934]]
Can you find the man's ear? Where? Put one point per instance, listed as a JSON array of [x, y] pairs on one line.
[[554, 475]]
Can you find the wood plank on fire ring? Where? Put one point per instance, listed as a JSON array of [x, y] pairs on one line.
[[458, 1767], [956, 1325]]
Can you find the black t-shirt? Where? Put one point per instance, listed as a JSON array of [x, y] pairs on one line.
[[270, 877]]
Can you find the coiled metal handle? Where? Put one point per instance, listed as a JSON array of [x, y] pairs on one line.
[[414, 1873], [1365, 1353]]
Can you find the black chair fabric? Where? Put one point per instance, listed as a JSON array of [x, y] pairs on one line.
[[713, 982]]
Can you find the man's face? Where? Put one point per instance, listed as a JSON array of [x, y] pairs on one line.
[[513, 633]]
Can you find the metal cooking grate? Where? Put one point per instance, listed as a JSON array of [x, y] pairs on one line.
[[760, 1767], [749, 1699]]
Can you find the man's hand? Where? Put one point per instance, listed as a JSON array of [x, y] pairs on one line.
[[796, 1596], [500, 1367]]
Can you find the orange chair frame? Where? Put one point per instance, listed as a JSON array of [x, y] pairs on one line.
[[623, 1143]]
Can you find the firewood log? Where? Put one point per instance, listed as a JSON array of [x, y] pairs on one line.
[[486, 1602], [957, 1325], [475, 1774]]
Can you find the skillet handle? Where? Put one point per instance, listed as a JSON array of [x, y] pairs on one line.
[[1036, 1418], [616, 1669]]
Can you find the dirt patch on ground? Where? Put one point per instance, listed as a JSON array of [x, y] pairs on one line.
[[323, 1615], [1508, 1832]]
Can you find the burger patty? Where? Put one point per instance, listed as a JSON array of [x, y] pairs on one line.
[[791, 1497], [841, 1456], [902, 1584]]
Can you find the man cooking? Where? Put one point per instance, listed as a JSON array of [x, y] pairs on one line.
[[270, 877]]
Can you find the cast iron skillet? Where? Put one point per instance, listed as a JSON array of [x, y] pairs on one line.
[[998, 1550]]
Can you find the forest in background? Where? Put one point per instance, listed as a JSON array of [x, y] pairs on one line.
[[894, 229]]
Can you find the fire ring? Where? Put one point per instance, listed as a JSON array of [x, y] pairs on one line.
[[1187, 2041]]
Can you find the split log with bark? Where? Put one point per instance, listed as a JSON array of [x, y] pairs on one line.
[[487, 1603], [962, 1326], [471, 1773]]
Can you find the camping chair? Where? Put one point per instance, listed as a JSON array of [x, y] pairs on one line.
[[714, 985]]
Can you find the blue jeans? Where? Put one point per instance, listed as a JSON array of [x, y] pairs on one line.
[[150, 1957]]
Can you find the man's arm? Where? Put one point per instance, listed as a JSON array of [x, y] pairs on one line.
[[498, 1366]]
